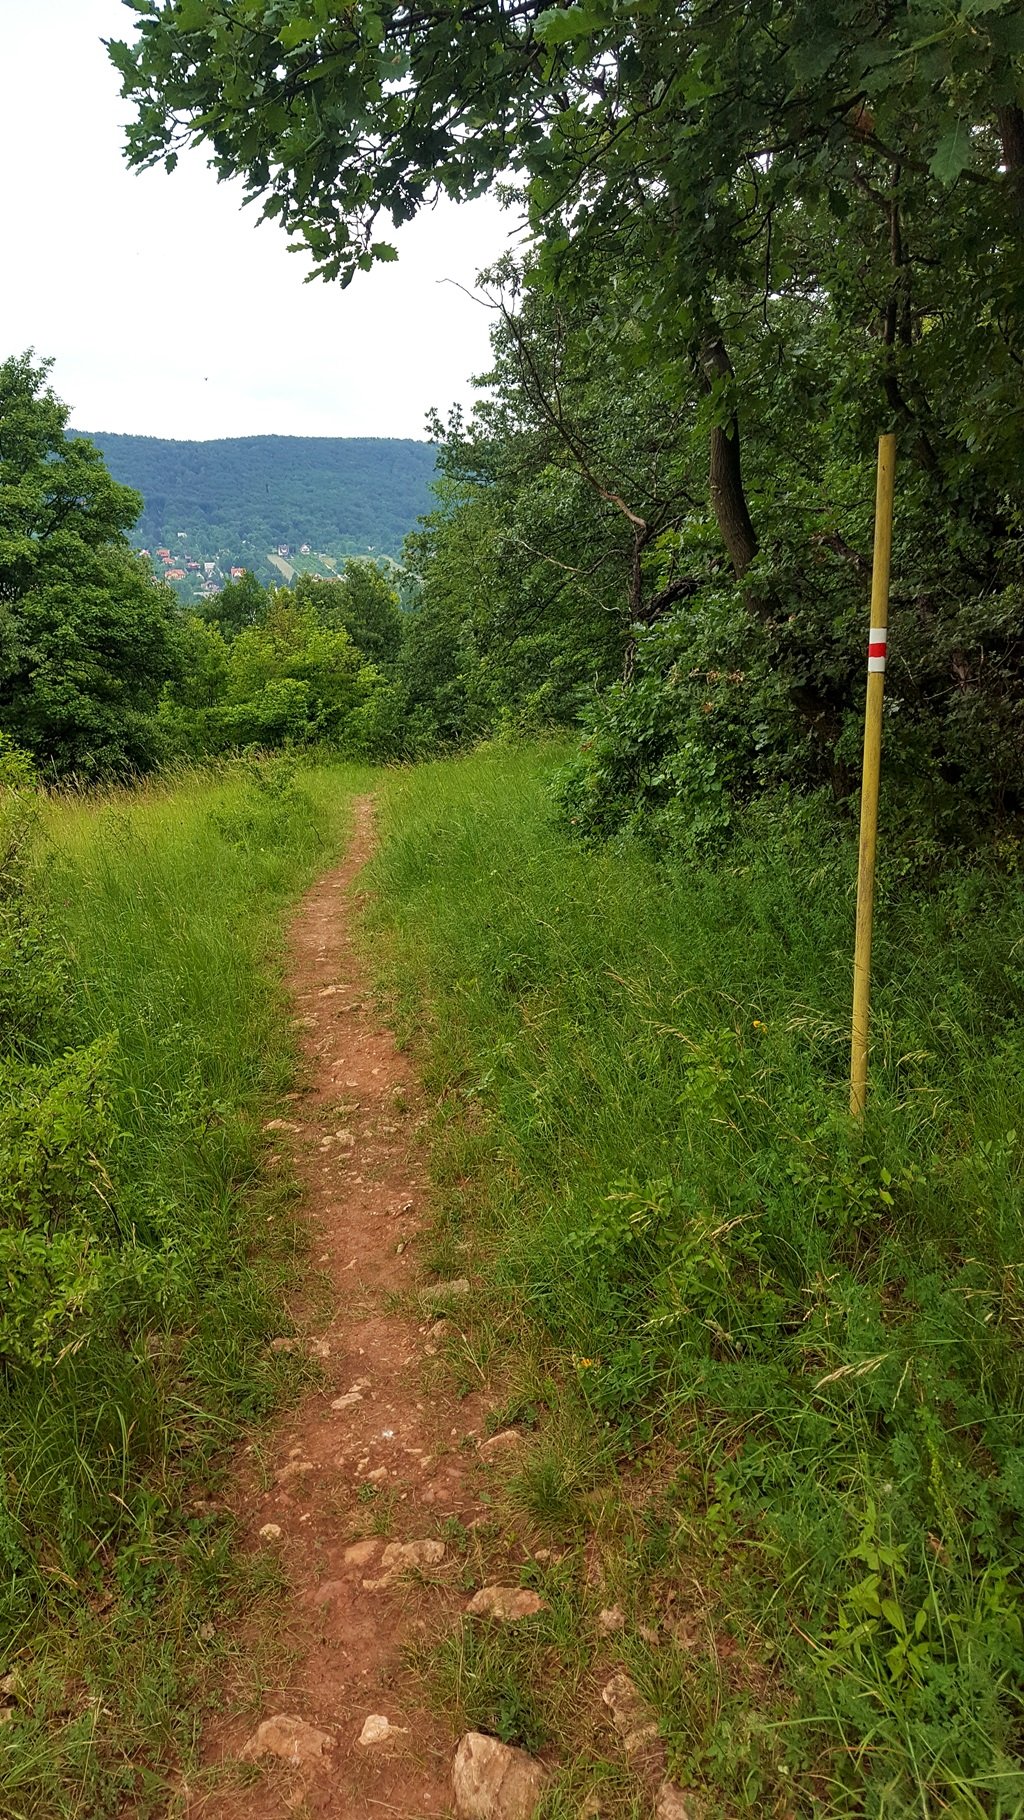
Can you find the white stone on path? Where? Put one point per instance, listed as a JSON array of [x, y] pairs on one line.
[[442, 1292], [290, 1739], [377, 1730], [295, 1469], [399, 1557], [507, 1602], [675, 1803], [494, 1781], [360, 1554], [507, 1442], [613, 1618], [634, 1720]]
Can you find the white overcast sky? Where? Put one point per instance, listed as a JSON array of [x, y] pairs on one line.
[[168, 310]]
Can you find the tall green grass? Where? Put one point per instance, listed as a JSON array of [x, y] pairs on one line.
[[784, 1355], [143, 1252]]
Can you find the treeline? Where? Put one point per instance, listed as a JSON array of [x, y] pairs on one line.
[[572, 574], [244, 495]]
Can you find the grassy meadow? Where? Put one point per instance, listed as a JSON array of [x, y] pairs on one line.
[[768, 1365], [143, 1252], [772, 1364]]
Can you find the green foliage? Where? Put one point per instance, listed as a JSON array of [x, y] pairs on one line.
[[286, 680], [86, 640], [723, 689], [361, 602], [733, 157], [239, 604], [289, 678], [54, 1128], [803, 1338]]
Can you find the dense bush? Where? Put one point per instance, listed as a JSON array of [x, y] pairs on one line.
[[721, 706], [579, 575]]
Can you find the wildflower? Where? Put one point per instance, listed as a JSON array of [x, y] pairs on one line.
[[758, 1024]]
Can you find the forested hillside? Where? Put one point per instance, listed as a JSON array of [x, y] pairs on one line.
[[247, 494]]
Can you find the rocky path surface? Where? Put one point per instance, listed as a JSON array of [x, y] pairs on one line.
[[377, 1490], [354, 1485]]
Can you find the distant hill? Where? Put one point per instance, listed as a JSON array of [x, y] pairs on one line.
[[244, 495]]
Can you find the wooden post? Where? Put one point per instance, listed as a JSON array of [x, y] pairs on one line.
[[877, 641]]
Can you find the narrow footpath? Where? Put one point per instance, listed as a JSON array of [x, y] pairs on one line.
[[353, 1486]]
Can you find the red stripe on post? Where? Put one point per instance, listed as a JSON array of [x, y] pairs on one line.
[[876, 650]]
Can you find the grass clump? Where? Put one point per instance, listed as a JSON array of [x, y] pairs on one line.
[[142, 1251], [799, 1343]]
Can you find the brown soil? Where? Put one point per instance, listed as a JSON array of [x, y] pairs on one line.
[[402, 1458]]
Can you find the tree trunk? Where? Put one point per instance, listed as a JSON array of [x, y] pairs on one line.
[[1011, 132], [728, 498]]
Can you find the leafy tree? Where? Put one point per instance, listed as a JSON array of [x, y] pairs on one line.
[[282, 680], [436, 681], [361, 600], [239, 604], [86, 639], [558, 586]]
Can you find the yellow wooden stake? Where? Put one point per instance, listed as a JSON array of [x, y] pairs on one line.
[[877, 641]]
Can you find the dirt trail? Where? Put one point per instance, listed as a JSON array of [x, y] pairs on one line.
[[380, 1441]]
